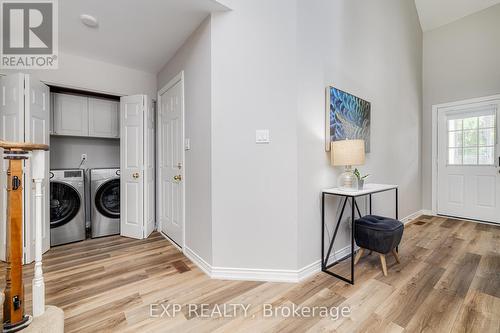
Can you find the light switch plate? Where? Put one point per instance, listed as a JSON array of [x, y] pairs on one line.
[[187, 144], [262, 136]]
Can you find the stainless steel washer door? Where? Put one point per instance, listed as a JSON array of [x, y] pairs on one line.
[[67, 216], [65, 204], [107, 199]]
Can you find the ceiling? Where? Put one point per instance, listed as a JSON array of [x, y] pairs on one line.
[[140, 34], [436, 13]]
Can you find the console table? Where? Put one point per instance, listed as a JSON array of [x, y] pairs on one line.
[[368, 190]]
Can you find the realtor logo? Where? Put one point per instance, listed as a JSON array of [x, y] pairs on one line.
[[29, 34]]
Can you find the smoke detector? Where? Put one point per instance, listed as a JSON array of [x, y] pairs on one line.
[[89, 20]]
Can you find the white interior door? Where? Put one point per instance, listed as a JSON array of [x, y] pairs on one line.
[[11, 129], [170, 155], [468, 179], [37, 118], [132, 109]]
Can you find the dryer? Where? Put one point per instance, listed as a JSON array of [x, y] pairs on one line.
[[105, 202], [67, 206]]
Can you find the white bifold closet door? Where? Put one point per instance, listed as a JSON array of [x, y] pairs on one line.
[[24, 117], [137, 178]]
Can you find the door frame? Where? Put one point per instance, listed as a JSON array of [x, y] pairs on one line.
[[176, 79], [435, 128]]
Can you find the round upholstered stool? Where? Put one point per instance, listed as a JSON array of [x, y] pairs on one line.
[[378, 234]]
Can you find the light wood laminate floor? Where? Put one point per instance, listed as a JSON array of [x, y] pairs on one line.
[[448, 281]]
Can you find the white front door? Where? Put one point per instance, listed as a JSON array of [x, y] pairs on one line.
[[132, 166], [170, 155], [468, 172], [11, 129], [37, 115]]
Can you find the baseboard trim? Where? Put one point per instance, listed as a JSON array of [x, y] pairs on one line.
[[274, 275], [198, 261], [267, 275], [413, 216], [252, 274]]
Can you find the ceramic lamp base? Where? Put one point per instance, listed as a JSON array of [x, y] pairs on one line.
[[348, 180]]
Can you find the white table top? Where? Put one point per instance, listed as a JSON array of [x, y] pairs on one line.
[[367, 189]]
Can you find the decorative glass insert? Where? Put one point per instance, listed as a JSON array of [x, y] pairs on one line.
[[472, 139]]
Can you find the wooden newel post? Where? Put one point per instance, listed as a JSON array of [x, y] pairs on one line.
[[14, 317]]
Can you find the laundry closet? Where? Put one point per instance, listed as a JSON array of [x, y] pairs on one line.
[[101, 167], [84, 165]]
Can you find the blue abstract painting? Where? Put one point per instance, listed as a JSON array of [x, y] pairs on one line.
[[348, 117]]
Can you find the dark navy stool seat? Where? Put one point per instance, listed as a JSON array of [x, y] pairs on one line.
[[379, 234]]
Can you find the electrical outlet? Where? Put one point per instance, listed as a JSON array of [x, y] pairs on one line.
[[84, 157]]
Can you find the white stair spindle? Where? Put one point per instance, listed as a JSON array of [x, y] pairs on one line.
[[38, 163]]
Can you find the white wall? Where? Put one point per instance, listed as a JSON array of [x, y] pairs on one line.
[[254, 87], [461, 61], [92, 75], [66, 152], [194, 58], [270, 64], [372, 49]]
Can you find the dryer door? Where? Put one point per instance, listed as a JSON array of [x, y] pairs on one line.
[[65, 203], [107, 199]]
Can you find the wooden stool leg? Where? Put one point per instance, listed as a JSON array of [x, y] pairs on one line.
[[396, 256], [359, 255], [384, 265]]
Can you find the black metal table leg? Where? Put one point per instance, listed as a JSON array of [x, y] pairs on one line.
[[325, 259], [397, 213], [397, 203], [357, 208], [370, 204], [322, 230], [352, 237]]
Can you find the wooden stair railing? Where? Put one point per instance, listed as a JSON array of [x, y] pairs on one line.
[[14, 318]]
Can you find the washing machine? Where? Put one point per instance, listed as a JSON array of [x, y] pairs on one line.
[[67, 206], [105, 201]]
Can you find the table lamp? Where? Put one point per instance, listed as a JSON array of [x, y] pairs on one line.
[[348, 153]]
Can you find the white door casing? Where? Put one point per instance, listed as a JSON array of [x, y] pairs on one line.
[[468, 186], [149, 171], [170, 160], [11, 129], [132, 166], [37, 118]]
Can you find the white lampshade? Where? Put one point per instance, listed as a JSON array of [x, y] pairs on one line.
[[348, 152]]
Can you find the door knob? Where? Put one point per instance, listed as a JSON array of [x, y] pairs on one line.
[[135, 175], [178, 178]]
